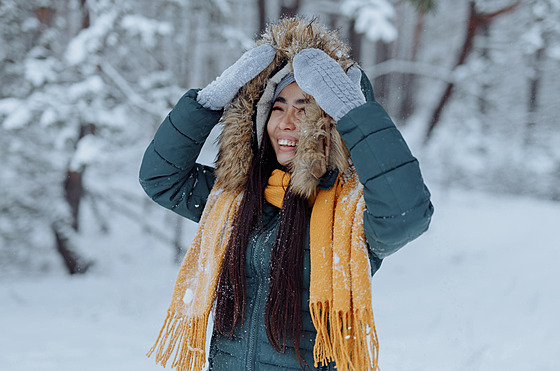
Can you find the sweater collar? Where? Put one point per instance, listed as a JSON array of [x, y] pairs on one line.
[[328, 179]]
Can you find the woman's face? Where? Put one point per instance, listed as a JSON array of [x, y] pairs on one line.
[[288, 108]]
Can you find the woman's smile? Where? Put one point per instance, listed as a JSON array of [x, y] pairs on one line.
[[286, 143]]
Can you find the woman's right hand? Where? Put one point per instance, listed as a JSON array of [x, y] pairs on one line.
[[223, 89], [336, 92]]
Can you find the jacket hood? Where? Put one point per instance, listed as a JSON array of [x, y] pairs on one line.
[[320, 147]]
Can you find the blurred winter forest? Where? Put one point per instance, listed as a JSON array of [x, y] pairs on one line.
[[84, 84]]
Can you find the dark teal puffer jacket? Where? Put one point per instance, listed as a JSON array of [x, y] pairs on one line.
[[398, 211]]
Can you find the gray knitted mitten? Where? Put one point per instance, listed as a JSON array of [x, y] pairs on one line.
[[222, 90], [322, 77]]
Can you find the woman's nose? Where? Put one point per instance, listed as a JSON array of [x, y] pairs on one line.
[[289, 120]]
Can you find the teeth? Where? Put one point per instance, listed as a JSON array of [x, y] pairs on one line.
[[285, 142]]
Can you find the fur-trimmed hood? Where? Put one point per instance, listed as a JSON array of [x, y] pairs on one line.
[[245, 117]]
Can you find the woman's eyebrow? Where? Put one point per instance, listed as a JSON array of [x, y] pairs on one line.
[[297, 102]]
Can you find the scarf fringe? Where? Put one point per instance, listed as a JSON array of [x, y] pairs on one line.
[[352, 343], [366, 347], [186, 334], [322, 351]]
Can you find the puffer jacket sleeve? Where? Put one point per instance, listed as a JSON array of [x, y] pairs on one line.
[[398, 207], [169, 173]]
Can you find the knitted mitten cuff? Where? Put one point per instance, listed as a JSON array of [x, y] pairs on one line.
[[223, 89], [322, 77]]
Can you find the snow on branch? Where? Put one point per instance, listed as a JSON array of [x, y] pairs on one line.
[[374, 18], [147, 29], [125, 87], [420, 69], [90, 40]]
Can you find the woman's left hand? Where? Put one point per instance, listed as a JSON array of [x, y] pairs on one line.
[[322, 77]]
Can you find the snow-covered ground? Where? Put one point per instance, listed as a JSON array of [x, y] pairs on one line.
[[479, 291]]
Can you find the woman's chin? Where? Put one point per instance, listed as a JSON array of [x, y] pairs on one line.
[[285, 157], [285, 162]]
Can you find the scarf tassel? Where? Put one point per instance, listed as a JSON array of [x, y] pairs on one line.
[[188, 335], [322, 351], [350, 348], [366, 346]]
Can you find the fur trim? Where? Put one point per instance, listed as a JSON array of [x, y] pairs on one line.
[[266, 101], [320, 146]]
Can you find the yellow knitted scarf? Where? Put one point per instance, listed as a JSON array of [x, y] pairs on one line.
[[340, 293]]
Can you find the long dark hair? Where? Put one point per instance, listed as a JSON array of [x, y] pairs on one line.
[[283, 304]]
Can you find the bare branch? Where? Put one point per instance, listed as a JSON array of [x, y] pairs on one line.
[[129, 92], [410, 67], [485, 17], [132, 215], [419, 69]]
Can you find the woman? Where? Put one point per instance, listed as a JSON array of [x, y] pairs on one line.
[[313, 187]]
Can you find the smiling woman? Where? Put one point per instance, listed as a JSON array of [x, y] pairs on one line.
[[287, 109], [289, 234]]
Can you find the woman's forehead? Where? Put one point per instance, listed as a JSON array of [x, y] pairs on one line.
[[291, 93]]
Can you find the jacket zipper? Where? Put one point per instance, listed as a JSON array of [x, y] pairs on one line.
[[260, 265], [256, 257]]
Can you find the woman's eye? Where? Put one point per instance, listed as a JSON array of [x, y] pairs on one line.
[[277, 108]]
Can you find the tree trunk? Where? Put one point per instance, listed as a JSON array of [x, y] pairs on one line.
[[289, 8], [409, 80], [485, 55], [45, 15], [85, 14], [533, 105], [64, 228], [178, 240], [476, 19], [73, 192], [195, 51], [472, 24], [74, 263], [73, 184], [381, 84], [262, 16], [355, 42]]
